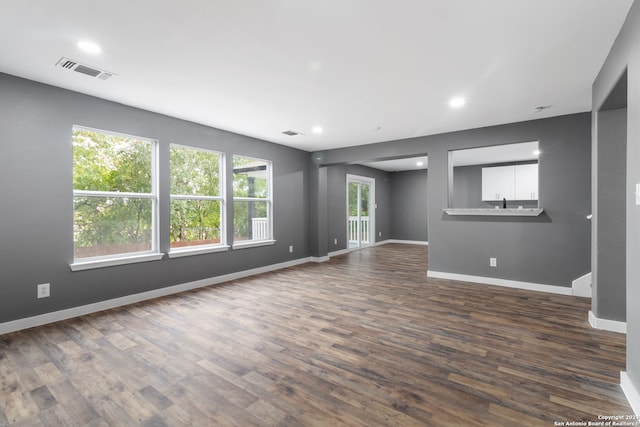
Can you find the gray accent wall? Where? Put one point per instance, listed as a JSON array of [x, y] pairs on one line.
[[552, 249], [624, 57], [609, 283], [36, 221], [409, 203]]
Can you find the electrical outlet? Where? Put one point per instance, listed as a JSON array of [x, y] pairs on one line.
[[493, 262], [44, 290], [379, 233], [335, 241], [290, 249]]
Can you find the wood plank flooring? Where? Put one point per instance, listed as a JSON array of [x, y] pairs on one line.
[[364, 339]]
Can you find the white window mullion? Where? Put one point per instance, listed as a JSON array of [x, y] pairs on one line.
[[88, 193], [182, 197]]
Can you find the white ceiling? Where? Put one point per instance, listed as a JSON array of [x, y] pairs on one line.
[[403, 164], [518, 152], [365, 70]]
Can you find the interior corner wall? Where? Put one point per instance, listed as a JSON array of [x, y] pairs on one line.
[[467, 181], [609, 282], [36, 224], [625, 56], [409, 209], [318, 219]]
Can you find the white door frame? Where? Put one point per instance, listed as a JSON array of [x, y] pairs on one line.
[[371, 182]]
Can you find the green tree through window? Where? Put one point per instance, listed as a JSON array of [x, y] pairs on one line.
[[114, 200], [196, 197]]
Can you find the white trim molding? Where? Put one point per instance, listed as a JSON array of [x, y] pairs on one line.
[[341, 252], [319, 259], [56, 316], [582, 286], [632, 393], [406, 242], [197, 250], [244, 244], [561, 290], [380, 243], [112, 262], [606, 324]]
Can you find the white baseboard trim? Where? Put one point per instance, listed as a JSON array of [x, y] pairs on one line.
[[606, 324], [561, 290], [582, 286], [319, 258], [56, 316], [632, 393], [341, 252], [380, 243], [407, 242]]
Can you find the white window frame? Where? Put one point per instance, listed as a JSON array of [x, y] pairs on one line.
[[203, 249], [371, 182], [242, 244], [130, 257]]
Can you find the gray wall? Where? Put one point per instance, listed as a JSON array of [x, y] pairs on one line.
[[552, 249], [624, 57], [467, 187], [409, 205], [610, 299], [36, 226], [337, 203]]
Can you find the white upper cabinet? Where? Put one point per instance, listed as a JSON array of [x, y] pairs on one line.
[[515, 182], [498, 183], [526, 182]]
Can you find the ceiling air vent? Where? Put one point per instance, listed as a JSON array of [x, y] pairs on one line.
[[85, 69], [290, 133]]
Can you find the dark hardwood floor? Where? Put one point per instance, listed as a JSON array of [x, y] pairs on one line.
[[364, 339]]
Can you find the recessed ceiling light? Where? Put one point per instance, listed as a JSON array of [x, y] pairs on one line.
[[420, 164], [317, 130], [89, 47], [457, 102]]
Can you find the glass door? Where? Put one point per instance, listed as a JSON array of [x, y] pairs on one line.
[[360, 224]]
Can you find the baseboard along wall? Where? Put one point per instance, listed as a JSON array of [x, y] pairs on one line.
[[606, 324], [632, 394], [582, 286], [56, 316], [561, 290]]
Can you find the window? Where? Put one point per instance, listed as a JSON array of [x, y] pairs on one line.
[[252, 202], [197, 201], [114, 195]]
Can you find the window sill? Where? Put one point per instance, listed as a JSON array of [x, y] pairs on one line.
[[110, 262], [177, 253], [253, 244]]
